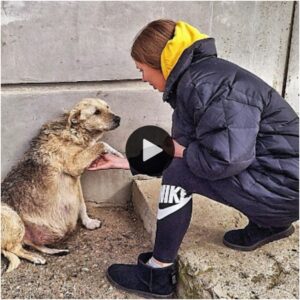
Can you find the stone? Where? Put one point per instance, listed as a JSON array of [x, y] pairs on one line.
[[208, 269]]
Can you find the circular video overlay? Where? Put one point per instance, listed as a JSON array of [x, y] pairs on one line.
[[149, 150]]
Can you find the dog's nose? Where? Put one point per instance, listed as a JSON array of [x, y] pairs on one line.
[[117, 119]]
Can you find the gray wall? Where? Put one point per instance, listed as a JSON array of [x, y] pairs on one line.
[[55, 53]]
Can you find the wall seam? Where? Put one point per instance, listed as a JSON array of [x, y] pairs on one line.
[[286, 67], [74, 86], [57, 83]]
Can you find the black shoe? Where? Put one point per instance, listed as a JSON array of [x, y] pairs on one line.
[[253, 236], [144, 280]]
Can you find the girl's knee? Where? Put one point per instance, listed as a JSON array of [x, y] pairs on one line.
[[175, 173]]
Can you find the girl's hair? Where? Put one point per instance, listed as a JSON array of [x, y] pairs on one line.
[[150, 42]]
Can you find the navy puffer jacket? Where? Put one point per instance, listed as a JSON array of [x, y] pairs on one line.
[[234, 126]]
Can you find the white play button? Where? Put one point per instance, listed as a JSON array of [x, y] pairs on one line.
[[150, 150]]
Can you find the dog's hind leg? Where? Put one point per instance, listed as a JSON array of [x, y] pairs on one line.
[[13, 259], [47, 250], [35, 258]]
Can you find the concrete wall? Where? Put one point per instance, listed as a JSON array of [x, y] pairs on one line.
[[55, 53], [90, 41]]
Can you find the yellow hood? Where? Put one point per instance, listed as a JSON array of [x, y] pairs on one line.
[[185, 35]]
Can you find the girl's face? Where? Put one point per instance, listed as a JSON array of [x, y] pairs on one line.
[[153, 76]]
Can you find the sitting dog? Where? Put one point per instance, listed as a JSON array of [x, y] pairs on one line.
[[42, 196]]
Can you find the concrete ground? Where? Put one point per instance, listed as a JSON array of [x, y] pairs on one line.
[[208, 269]]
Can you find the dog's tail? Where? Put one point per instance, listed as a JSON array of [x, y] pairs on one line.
[[13, 259]]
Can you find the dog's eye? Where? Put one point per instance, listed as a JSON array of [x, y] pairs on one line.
[[97, 112]]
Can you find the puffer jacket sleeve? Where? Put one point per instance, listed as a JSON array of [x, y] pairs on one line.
[[226, 131]]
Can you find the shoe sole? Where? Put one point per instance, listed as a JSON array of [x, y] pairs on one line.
[[139, 293], [267, 240]]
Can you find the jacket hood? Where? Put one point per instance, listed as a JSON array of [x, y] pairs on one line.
[[185, 35], [197, 51]]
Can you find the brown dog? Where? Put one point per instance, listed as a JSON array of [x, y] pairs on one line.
[[42, 195]]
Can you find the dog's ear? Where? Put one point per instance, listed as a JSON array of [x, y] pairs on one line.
[[80, 115], [86, 112], [73, 118]]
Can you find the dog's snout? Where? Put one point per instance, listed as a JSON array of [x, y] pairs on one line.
[[117, 119]]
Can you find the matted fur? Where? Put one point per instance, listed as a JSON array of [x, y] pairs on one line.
[[42, 195]]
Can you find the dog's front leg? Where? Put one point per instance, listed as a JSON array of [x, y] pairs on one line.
[[83, 159], [86, 220], [110, 149]]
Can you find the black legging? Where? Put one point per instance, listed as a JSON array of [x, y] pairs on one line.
[[171, 230]]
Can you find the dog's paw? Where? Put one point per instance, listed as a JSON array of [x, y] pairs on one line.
[[110, 149], [39, 260], [91, 223], [119, 154]]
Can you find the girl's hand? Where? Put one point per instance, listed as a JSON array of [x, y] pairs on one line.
[[178, 149], [109, 161]]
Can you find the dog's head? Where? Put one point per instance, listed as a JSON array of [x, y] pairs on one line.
[[93, 115]]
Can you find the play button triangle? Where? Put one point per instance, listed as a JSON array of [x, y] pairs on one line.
[[150, 150]]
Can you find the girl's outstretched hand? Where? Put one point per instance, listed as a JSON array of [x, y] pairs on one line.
[[109, 161]]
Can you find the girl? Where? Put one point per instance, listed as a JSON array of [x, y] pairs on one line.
[[236, 141]]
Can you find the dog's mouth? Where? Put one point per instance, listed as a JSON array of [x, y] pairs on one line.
[[112, 127], [115, 123]]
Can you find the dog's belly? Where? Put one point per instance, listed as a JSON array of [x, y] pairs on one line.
[[42, 234], [61, 219]]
